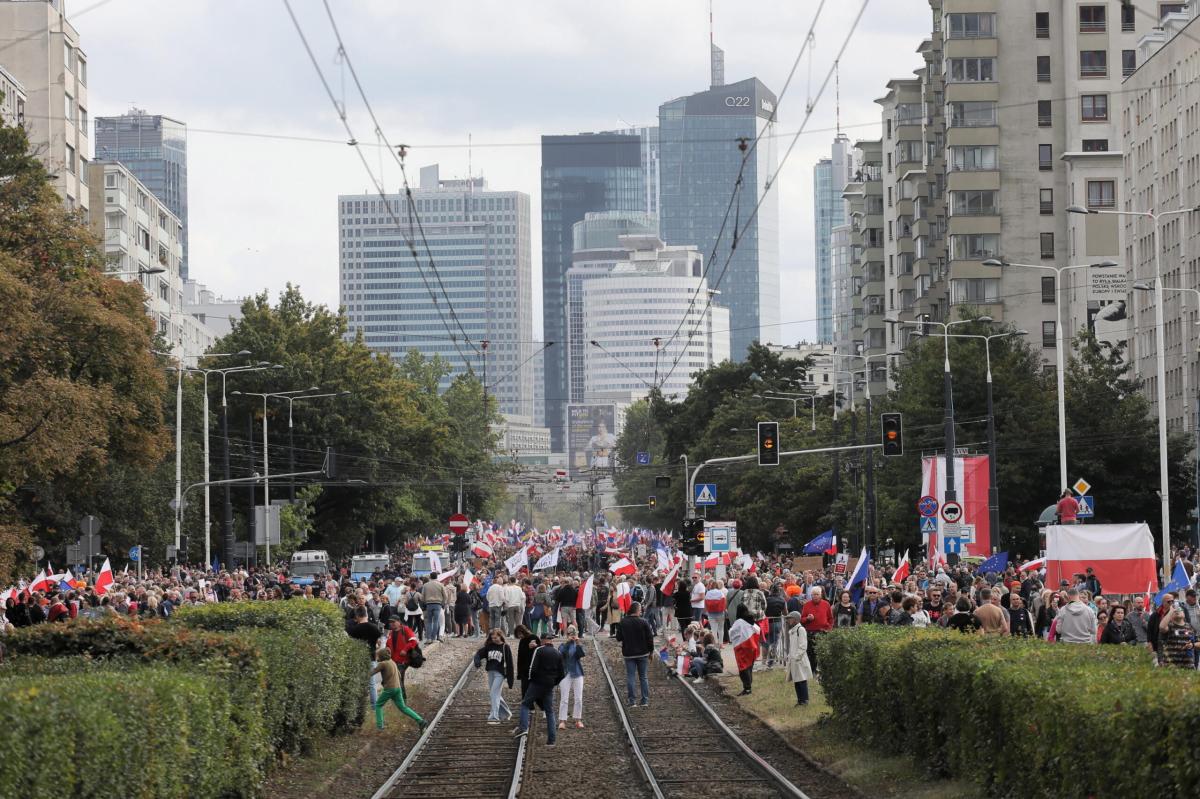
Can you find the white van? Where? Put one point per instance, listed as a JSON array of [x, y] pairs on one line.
[[363, 566], [308, 564]]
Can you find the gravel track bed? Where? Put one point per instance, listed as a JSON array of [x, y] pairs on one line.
[[690, 758]]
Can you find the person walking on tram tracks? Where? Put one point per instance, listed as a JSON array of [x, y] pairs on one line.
[[434, 594], [572, 653], [499, 659], [400, 641], [637, 644], [496, 597], [392, 692], [545, 672], [799, 669]]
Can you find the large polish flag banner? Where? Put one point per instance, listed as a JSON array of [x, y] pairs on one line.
[[971, 490], [1121, 554]]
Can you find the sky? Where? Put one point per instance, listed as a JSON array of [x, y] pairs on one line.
[[262, 204]]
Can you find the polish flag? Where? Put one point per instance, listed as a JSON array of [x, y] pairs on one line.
[[668, 583], [903, 570], [1148, 599], [467, 578], [624, 598], [623, 566], [446, 576], [482, 549], [104, 579], [41, 582], [744, 637], [717, 559], [1037, 563], [11, 593], [583, 599], [1121, 554]]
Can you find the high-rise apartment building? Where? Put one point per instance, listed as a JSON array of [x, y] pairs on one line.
[[40, 50], [1158, 111], [580, 173], [468, 300], [12, 99], [154, 148], [830, 176], [700, 161]]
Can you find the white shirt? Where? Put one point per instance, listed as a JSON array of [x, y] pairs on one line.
[[698, 591], [514, 596], [496, 596]]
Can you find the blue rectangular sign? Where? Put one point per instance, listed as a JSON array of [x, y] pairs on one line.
[[706, 494]]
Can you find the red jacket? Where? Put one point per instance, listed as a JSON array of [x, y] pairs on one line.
[[399, 642], [822, 616]]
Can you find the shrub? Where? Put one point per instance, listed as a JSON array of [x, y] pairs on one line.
[[1021, 717], [142, 731], [316, 675]]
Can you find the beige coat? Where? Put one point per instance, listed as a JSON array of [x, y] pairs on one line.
[[797, 664]]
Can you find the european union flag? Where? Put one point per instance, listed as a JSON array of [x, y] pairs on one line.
[[996, 563], [1179, 582], [819, 544]]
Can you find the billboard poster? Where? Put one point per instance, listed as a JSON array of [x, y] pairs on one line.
[[971, 481], [591, 439], [1108, 316]]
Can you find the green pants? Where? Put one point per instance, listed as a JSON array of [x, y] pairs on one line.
[[396, 696]]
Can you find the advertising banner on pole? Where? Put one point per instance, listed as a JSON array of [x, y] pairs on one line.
[[971, 487], [591, 439]]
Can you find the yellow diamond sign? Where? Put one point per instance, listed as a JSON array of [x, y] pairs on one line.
[[1082, 486]]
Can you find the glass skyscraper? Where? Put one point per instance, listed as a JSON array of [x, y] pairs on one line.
[[154, 149], [581, 173], [830, 176], [699, 162]]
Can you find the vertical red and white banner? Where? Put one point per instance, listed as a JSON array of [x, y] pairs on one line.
[[971, 490]]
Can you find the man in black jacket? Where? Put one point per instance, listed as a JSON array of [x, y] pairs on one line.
[[637, 643], [362, 629], [545, 672]]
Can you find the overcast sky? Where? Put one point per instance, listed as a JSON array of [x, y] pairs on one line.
[[263, 207]]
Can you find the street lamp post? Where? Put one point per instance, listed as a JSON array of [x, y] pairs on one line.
[[1164, 483], [795, 399], [292, 442], [1059, 346]]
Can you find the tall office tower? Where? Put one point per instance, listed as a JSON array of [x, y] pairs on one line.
[[155, 149], [480, 281], [699, 162], [597, 248], [39, 49], [661, 286], [1161, 139], [830, 176], [580, 173], [841, 252]]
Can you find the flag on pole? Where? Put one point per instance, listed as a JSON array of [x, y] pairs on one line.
[[518, 560], [547, 561], [447, 575], [583, 600], [859, 575], [1179, 582], [903, 570], [664, 560], [668, 583], [40, 583], [717, 559], [822, 544], [623, 566], [482, 549], [104, 579], [1148, 600], [624, 597], [1036, 563], [996, 563], [467, 579]]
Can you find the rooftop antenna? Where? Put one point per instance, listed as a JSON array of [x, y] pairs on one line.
[[715, 54], [837, 94]]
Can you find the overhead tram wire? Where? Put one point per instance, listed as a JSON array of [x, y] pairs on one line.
[[341, 113], [770, 183], [735, 194]]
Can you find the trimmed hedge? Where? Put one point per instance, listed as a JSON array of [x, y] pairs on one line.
[[1023, 718], [142, 731], [316, 676]]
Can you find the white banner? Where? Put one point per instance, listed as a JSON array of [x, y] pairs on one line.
[[519, 559], [547, 561]]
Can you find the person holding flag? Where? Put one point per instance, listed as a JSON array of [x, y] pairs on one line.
[[744, 634]]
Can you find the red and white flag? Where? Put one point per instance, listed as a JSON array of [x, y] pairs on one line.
[[623, 566], [104, 579], [1036, 563], [41, 583], [744, 637], [624, 598], [903, 570], [668, 583], [1148, 599], [718, 559], [446, 576], [482, 549], [1121, 554], [583, 599], [468, 577]]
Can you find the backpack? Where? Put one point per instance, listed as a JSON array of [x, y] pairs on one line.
[[412, 603], [637, 594], [416, 658]]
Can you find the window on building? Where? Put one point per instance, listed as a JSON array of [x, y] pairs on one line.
[[83, 171], [69, 107], [1041, 24], [1043, 69], [1128, 62], [1044, 113], [1128, 14], [1092, 19], [68, 56], [81, 70], [889, 196], [69, 158], [1093, 107], [1045, 157], [1101, 193], [110, 181], [974, 246], [1093, 63], [83, 121], [1048, 290], [971, 158], [888, 125], [1047, 241], [1046, 201], [974, 202], [971, 70], [1169, 8], [972, 114], [1095, 145], [971, 26], [975, 290], [1048, 337]]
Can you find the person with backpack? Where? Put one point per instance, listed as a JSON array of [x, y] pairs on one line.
[[414, 610]]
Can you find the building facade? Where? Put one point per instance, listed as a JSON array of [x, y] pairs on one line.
[[473, 307], [830, 176], [141, 234], [154, 148], [700, 163], [40, 50], [580, 173], [213, 311], [12, 99], [521, 438]]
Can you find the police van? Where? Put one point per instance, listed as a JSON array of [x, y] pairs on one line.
[[363, 566], [308, 565]]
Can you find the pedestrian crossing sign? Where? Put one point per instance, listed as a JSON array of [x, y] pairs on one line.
[[706, 494], [928, 524]]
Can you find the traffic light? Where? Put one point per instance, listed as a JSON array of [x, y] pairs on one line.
[[768, 443], [458, 543], [893, 434], [691, 540], [651, 502]]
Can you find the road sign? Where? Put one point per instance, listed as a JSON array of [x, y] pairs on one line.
[[952, 544], [706, 494], [720, 536], [928, 506], [952, 511], [37, 552], [928, 524], [171, 550], [1087, 507], [75, 554], [1082, 486], [643, 458], [135, 553], [966, 533], [266, 525], [89, 525], [459, 524]]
